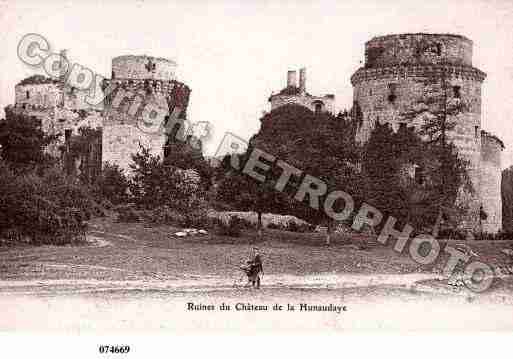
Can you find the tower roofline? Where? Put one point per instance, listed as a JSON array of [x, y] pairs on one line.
[[409, 34], [145, 56]]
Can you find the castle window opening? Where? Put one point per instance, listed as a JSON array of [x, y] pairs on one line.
[[476, 131], [28, 95], [439, 49], [418, 174], [392, 96], [402, 126], [456, 91], [67, 135], [317, 107]]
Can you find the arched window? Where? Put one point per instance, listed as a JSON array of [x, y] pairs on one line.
[[318, 107], [439, 49], [418, 174], [392, 95], [456, 91]]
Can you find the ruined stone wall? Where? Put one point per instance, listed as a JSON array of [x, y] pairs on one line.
[[491, 177], [38, 96], [402, 77], [304, 100], [76, 99], [404, 49], [121, 141], [56, 120]]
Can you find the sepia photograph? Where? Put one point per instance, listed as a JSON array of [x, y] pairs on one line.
[[255, 166]]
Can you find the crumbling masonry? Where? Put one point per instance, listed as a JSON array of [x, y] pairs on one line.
[[394, 87], [140, 83]]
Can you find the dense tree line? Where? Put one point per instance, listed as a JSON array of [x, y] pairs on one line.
[[397, 172]]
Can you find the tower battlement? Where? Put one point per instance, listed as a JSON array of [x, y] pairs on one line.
[[418, 49], [143, 67]]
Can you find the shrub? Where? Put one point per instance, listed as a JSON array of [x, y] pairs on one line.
[[231, 227], [198, 219], [493, 236], [155, 182], [166, 215], [48, 209], [292, 227], [452, 234], [112, 185], [275, 226], [127, 213], [106, 204], [506, 235]]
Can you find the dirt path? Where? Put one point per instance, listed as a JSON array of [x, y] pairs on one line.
[[214, 283]]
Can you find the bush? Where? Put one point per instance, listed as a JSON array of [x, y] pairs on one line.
[[156, 183], [231, 227], [452, 234], [165, 215], [198, 219], [127, 213], [47, 209], [493, 236], [106, 204], [275, 226], [112, 185], [292, 226]]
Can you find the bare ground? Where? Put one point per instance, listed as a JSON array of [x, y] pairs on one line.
[[135, 252]]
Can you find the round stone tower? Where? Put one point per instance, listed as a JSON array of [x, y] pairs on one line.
[[402, 82], [143, 67], [491, 178], [144, 94]]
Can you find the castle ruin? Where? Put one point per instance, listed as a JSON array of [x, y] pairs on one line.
[[294, 94], [397, 85], [140, 83]]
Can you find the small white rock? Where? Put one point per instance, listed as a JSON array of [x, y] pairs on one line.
[[202, 231], [180, 234], [507, 252]]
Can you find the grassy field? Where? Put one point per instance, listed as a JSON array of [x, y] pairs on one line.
[[135, 251]]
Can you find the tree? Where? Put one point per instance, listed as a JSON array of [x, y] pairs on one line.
[[112, 184], [382, 160], [245, 193], [85, 147], [23, 141], [320, 145], [188, 155], [154, 183], [438, 111], [507, 199]]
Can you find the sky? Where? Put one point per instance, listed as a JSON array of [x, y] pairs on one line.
[[234, 54]]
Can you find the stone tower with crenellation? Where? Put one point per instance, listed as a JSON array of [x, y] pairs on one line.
[[146, 93], [395, 86]]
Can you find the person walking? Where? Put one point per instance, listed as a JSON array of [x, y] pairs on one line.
[[256, 269]]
